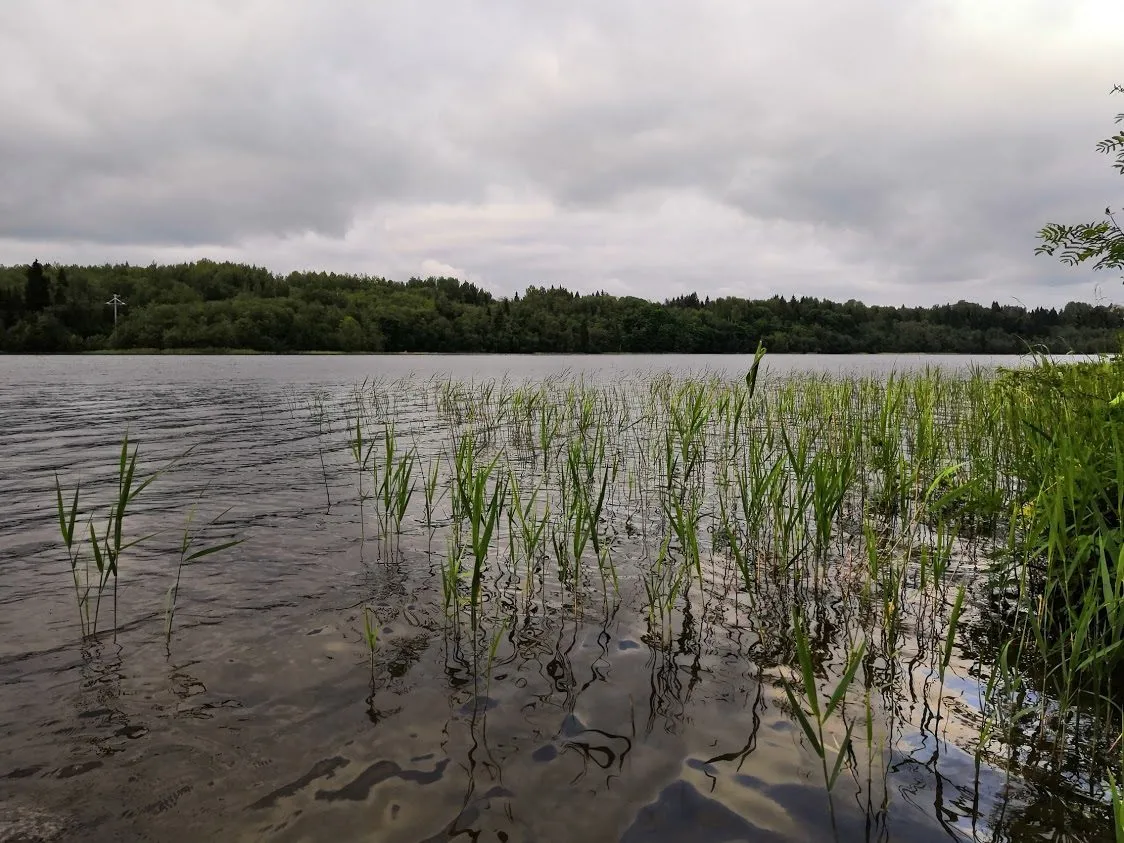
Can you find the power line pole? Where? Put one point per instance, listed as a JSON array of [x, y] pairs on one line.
[[116, 302]]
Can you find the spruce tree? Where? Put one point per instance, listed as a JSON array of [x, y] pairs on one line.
[[37, 294]]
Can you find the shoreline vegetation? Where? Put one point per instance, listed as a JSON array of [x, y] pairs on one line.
[[207, 307]]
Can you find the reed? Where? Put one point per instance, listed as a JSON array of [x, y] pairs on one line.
[[530, 516], [67, 519], [395, 482], [370, 630], [481, 509], [323, 423], [894, 510], [190, 552], [360, 449], [811, 712], [1066, 553], [429, 490], [1116, 795], [107, 545]]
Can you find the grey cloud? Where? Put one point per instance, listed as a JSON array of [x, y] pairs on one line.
[[889, 150], [235, 144]]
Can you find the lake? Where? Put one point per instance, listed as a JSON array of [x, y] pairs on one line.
[[552, 710]]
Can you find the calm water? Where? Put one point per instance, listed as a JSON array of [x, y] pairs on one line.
[[265, 718], [325, 370]]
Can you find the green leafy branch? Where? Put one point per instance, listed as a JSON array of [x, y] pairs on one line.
[[1100, 241]]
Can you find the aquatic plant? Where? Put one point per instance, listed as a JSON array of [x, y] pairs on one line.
[[811, 713], [394, 480], [370, 630], [67, 519], [530, 516], [897, 511], [105, 548], [319, 411], [1066, 550], [482, 512], [429, 490], [188, 555], [360, 450]]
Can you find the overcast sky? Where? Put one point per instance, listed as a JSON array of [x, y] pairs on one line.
[[882, 150]]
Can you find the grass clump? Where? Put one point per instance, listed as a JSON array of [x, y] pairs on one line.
[[1066, 426], [106, 540], [106, 545]]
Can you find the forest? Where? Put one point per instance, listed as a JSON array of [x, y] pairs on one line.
[[210, 306]]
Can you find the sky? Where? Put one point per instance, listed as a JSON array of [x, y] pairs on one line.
[[887, 151]]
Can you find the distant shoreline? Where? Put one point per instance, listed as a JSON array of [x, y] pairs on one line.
[[247, 352], [224, 308]]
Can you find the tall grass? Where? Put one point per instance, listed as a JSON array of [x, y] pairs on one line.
[[1066, 551]]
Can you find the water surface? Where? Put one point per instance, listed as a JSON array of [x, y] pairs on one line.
[[266, 718]]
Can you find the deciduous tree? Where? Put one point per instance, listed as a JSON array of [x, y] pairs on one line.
[[1101, 242]]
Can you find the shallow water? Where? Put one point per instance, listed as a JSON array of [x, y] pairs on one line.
[[265, 718]]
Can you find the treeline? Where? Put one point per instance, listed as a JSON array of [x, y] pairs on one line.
[[208, 305]]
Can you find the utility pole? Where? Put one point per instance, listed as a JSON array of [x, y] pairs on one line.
[[116, 302]]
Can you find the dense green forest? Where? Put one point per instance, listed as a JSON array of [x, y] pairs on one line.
[[208, 305]]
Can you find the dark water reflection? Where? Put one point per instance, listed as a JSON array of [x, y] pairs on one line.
[[267, 719]]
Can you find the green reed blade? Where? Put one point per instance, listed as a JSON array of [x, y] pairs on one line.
[[199, 554], [96, 547], [804, 654], [950, 637], [844, 751], [122, 461], [370, 630], [805, 724], [66, 519], [845, 682], [135, 542]]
